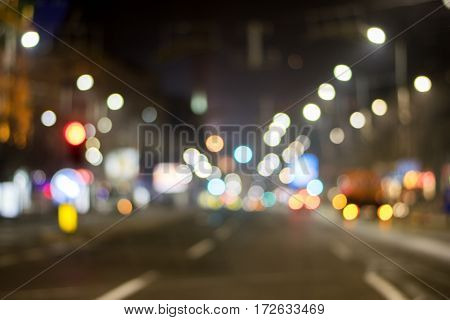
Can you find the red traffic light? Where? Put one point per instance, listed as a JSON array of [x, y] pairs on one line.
[[74, 133]]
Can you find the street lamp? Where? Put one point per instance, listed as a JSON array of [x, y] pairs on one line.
[[376, 35], [311, 112], [379, 107], [85, 82], [422, 84], [357, 120], [115, 101], [342, 72], [326, 92], [29, 39]]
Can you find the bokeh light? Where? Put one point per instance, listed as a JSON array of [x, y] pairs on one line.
[[272, 138], [141, 196], [202, 169], [350, 212], [149, 114], [255, 192], [376, 35], [92, 142], [66, 185], [90, 130], [314, 187], [357, 120], [94, 156], [282, 119], [216, 187], [342, 72], [286, 175], [339, 201], [199, 102], [411, 179], [326, 91], [85, 82], [379, 107], [67, 218], [295, 202], [269, 199], [48, 118], [115, 101], [337, 135], [401, 210], [243, 154], [311, 112], [30, 39], [422, 84], [104, 125], [385, 212], [75, 133], [191, 156], [312, 202], [124, 206], [214, 143]]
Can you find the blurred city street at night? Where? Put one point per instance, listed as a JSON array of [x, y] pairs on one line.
[[216, 150]]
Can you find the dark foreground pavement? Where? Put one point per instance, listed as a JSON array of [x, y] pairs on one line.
[[199, 255]]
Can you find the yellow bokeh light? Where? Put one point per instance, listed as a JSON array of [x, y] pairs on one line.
[[75, 133], [235, 205], [385, 212], [295, 202], [410, 179], [339, 201], [124, 206], [214, 143], [214, 202], [350, 212], [5, 132], [67, 218]]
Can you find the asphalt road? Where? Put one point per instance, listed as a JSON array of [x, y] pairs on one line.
[[200, 255]]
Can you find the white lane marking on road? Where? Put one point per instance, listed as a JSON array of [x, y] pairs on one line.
[[130, 287], [8, 260], [223, 233], [341, 251], [383, 286], [201, 248]]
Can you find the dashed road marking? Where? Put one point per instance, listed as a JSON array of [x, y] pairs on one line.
[[201, 248], [130, 287], [383, 286]]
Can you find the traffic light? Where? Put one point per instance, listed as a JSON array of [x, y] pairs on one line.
[[75, 135]]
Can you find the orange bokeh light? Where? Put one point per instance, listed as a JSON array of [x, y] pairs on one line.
[[295, 202], [312, 202], [339, 201], [124, 206], [214, 143], [75, 133]]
